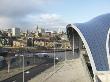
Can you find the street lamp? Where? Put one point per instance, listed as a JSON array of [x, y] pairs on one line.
[[8, 61], [23, 65], [65, 52], [54, 55]]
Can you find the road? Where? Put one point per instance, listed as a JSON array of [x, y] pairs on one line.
[[38, 69], [32, 73]]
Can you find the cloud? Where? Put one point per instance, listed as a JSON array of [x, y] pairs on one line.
[[15, 12], [27, 13], [49, 17], [46, 20], [17, 8], [52, 20]]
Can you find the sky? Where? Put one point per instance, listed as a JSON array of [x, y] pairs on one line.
[[27, 14]]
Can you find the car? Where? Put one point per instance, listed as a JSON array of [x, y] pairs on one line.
[[56, 58], [46, 56], [27, 72], [42, 54]]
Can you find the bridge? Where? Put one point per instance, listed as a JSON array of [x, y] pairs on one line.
[[69, 70], [94, 37]]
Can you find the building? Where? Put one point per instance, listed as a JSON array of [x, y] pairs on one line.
[[15, 32], [95, 35], [40, 30]]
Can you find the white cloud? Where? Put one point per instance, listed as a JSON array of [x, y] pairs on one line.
[[5, 22], [15, 12], [17, 8], [27, 13], [49, 17], [52, 20], [47, 20]]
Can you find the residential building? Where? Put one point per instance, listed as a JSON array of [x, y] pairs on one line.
[[15, 32]]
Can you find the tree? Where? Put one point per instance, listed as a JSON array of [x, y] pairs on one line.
[[40, 34], [29, 42]]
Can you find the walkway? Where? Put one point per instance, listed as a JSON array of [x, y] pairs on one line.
[[67, 71]]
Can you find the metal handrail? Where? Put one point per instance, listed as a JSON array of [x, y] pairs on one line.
[[84, 63]]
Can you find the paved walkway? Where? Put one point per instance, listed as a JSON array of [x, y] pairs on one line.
[[67, 71]]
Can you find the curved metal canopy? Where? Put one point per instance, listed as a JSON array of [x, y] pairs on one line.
[[95, 33]]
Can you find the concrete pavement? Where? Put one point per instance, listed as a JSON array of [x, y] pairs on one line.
[[67, 71]]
